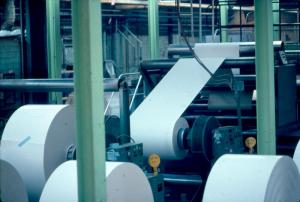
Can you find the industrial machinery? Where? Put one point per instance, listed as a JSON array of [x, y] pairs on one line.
[[177, 119], [228, 103]]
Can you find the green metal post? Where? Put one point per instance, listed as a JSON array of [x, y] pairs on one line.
[[153, 28], [224, 21], [265, 102], [88, 63], [276, 20], [54, 49]]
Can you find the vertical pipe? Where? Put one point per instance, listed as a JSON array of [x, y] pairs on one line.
[[124, 113], [192, 21], [264, 62], [54, 51], [200, 21], [298, 20], [104, 48], [22, 38], [22, 45], [88, 63], [241, 33], [224, 21], [276, 20], [178, 25], [213, 20], [27, 41], [153, 28]]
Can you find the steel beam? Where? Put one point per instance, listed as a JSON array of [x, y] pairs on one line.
[[200, 21], [224, 21], [88, 63], [153, 28], [265, 103], [276, 20], [54, 49]]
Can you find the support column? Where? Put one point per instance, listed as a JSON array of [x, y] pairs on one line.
[[35, 46], [153, 28], [276, 20], [54, 49], [200, 21], [88, 63], [224, 21], [265, 103]]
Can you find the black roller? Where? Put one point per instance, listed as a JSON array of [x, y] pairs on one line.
[[200, 136], [112, 129]]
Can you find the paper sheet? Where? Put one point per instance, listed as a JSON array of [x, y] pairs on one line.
[[214, 50], [156, 122]]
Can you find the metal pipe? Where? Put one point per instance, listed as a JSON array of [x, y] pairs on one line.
[[22, 27], [200, 21], [276, 19], [224, 21], [265, 103], [50, 85], [124, 113], [88, 63], [153, 28], [225, 117], [192, 22], [182, 179], [153, 65], [54, 50], [179, 31], [213, 20]]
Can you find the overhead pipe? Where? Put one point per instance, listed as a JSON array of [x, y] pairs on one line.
[[50, 85]]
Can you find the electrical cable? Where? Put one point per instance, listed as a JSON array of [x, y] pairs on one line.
[[186, 40]]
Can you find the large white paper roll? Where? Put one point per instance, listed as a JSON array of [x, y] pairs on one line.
[[253, 178], [157, 120], [12, 187], [296, 156], [124, 182], [35, 141]]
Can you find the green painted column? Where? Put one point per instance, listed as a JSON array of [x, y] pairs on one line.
[[276, 20], [224, 21], [54, 49], [88, 63], [153, 28], [265, 102]]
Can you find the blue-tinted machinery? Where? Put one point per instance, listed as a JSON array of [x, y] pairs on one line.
[[221, 117]]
